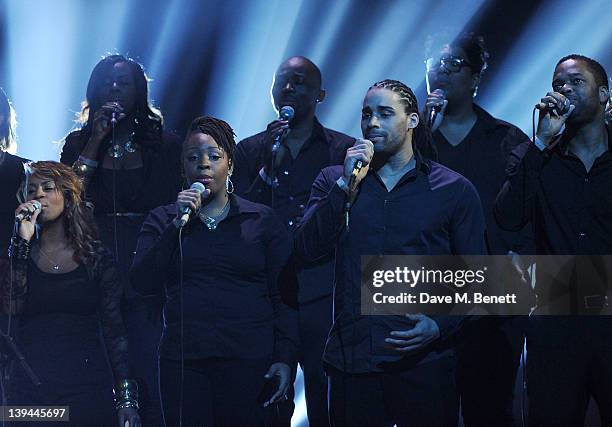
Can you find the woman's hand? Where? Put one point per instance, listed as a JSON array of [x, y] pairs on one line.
[[28, 226], [129, 415], [283, 371]]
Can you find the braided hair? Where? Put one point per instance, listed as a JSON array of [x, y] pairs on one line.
[[422, 140], [219, 130]]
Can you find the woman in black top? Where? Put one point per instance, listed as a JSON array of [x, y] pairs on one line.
[[64, 289], [225, 319], [128, 171]]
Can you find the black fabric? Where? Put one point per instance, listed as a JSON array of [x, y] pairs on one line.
[[216, 393], [231, 302], [568, 361], [486, 373], [137, 191], [569, 208], [11, 174], [69, 330], [444, 217], [424, 396], [481, 157]]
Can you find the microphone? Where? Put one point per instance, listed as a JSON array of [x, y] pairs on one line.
[[433, 114], [25, 214], [286, 113], [551, 106], [356, 168], [187, 211]]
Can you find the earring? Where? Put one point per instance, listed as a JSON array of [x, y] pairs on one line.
[[229, 185]]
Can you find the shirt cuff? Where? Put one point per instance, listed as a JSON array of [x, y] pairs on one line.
[[343, 184], [538, 143], [264, 176]]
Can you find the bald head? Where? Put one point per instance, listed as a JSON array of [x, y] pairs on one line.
[[297, 83]]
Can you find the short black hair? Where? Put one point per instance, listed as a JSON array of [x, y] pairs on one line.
[[601, 77], [219, 130], [472, 44]]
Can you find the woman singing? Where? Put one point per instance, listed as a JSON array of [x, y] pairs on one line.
[[65, 295], [130, 166], [229, 340]]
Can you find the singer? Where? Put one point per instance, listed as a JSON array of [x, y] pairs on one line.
[[561, 184], [226, 321], [472, 142], [391, 368], [128, 172], [307, 147], [65, 294]]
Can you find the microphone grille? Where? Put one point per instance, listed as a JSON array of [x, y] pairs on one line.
[[198, 186], [286, 112]]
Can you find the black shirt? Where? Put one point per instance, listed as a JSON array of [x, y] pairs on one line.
[[570, 208], [11, 174], [231, 302], [432, 210], [481, 157], [324, 148]]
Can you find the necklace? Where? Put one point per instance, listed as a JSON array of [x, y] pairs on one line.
[[55, 265], [212, 221], [118, 149]]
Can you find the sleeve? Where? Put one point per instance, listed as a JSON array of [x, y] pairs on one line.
[[513, 206], [156, 251], [13, 294], [113, 328], [71, 150], [172, 168], [467, 228], [246, 178], [286, 329], [317, 233]]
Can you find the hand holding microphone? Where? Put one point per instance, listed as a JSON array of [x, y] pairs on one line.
[[356, 162], [26, 215], [435, 106], [189, 201], [274, 136], [554, 108]]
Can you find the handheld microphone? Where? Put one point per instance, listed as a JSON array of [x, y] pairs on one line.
[[553, 107], [286, 113], [356, 168], [433, 114], [26, 215], [186, 212]]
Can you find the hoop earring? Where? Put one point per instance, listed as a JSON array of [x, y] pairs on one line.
[[229, 185]]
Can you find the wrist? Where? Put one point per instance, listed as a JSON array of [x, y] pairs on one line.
[[126, 394], [19, 248], [343, 184]]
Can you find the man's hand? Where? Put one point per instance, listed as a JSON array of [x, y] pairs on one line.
[[275, 130], [549, 122], [283, 371], [363, 150], [420, 336]]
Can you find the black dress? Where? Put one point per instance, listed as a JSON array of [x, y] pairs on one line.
[[69, 329], [137, 191], [11, 174]]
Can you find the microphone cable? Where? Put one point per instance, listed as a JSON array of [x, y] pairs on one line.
[[181, 335]]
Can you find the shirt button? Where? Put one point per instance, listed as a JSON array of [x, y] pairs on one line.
[[290, 222], [582, 234], [586, 179], [286, 172], [301, 207], [291, 198]]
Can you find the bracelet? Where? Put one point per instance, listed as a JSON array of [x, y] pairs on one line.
[[126, 394], [84, 167], [19, 248]]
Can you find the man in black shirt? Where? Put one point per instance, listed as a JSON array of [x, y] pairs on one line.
[[562, 184], [283, 181], [472, 142], [390, 369]]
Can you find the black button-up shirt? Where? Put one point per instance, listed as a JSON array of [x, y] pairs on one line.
[[432, 210], [324, 148], [231, 301], [481, 157], [570, 208]]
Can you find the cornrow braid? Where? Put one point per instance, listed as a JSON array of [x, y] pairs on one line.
[[422, 141], [405, 93], [219, 130]]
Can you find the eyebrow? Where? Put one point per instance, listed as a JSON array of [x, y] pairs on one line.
[[49, 181]]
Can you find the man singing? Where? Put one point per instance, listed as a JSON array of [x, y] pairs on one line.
[[562, 184], [387, 370]]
